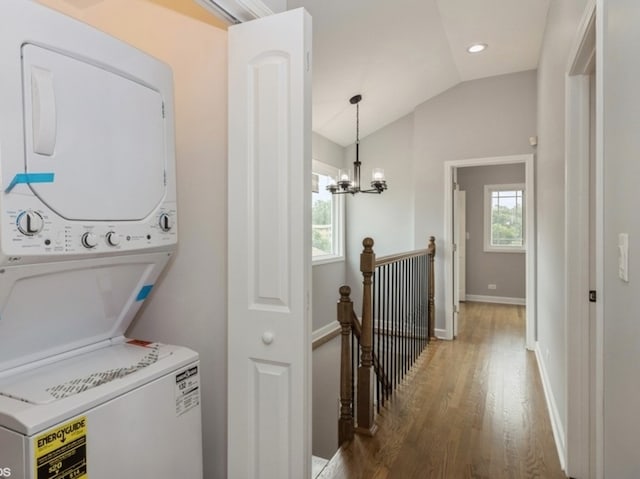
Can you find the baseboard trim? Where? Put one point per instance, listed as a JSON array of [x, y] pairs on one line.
[[325, 334], [554, 415], [441, 333], [495, 299]]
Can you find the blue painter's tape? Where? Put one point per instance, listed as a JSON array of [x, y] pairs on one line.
[[144, 292], [22, 178]]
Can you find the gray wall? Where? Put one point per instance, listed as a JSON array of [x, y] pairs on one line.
[[481, 118], [562, 23], [387, 218], [621, 70], [326, 396], [506, 270], [327, 278]]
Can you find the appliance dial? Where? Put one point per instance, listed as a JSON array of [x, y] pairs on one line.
[[30, 223], [112, 238], [89, 240], [166, 223]]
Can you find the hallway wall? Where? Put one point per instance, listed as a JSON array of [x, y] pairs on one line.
[[562, 23]]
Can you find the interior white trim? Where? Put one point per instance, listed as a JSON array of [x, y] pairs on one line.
[[236, 11], [578, 341], [324, 331], [446, 244], [480, 298], [441, 333], [554, 414]]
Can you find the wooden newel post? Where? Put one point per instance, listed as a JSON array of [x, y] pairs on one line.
[[364, 416], [345, 311], [431, 250]]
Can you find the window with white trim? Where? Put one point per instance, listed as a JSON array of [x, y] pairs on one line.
[[504, 218], [327, 216]]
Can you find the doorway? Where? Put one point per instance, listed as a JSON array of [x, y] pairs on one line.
[[450, 247]]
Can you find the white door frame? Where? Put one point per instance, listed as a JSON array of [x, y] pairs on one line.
[[578, 339], [449, 166]]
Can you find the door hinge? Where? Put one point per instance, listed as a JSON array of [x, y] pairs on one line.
[[592, 296], [455, 247], [162, 109]]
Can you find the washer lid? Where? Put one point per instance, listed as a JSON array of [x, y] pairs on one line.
[[83, 372], [50, 309], [98, 135]]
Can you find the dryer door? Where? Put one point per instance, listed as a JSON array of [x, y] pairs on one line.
[[94, 135]]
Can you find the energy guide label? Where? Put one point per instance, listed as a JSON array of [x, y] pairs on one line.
[[187, 390], [61, 453]]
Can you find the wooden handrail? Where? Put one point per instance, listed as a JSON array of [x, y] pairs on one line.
[[392, 258]]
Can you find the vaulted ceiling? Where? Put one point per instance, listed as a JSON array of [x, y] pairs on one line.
[[400, 53]]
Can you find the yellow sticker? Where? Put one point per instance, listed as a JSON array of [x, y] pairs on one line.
[[61, 453]]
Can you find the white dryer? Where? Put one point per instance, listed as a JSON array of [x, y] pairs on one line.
[[88, 221]]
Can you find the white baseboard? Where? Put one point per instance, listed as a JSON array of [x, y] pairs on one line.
[[325, 333], [441, 333], [495, 299], [554, 415]]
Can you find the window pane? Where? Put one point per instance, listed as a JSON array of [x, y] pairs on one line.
[[506, 218], [321, 219]]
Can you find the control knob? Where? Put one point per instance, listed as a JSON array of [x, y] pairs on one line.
[[89, 240], [166, 222], [112, 238], [30, 223]]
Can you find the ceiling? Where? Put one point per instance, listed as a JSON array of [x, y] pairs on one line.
[[400, 53]]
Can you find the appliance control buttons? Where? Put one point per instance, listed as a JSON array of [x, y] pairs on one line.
[[166, 223], [89, 240], [112, 238], [30, 223]]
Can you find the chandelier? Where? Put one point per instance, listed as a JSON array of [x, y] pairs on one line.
[[347, 183]]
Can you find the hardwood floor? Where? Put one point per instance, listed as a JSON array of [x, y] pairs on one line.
[[469, 408]]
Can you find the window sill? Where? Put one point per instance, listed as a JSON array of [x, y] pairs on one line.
[[326, 260], [505, 250]]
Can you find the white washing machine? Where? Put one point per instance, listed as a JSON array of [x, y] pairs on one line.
[[88, 222]]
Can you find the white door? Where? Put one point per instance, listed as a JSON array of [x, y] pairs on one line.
[[269, 255], [460, 238]]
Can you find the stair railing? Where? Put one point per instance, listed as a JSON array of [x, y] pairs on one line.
[[398, 313]]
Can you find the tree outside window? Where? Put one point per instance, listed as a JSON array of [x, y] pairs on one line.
[[504, 218]]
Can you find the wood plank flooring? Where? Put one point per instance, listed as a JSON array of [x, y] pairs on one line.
[[469, 408]]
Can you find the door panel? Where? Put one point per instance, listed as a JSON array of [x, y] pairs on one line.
[[269, 252]]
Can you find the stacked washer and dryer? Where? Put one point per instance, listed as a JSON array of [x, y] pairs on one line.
[[88, 222]]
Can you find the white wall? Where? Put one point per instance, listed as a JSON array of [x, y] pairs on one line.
[[506, 270], [188, 305], [562, 24], [481, 118], [621, 36]]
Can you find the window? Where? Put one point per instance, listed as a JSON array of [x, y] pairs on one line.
[[327, 215], [504, 218]]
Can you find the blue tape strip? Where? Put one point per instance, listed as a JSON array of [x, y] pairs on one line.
[[22, 178], [144, 292]]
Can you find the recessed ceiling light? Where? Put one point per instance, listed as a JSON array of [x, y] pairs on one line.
[[477, 48]]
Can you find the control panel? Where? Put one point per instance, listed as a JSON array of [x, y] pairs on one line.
[[39, 232]]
